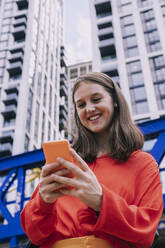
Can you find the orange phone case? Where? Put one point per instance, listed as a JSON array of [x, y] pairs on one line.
[[55, 149]]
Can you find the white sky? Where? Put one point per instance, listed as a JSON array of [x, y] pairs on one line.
[[77, 31]]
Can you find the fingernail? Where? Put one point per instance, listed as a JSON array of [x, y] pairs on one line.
[[59, 159]]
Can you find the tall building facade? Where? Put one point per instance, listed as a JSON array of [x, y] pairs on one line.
[[32, 74], [129, 45], [74, 71]]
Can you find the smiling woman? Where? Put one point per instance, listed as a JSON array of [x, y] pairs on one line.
[[115, 199]]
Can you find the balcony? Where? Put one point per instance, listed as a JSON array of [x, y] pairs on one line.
[[103, 9], [63, 58], [16, 57], [108, 52], [63, 112], [107, 42], [105, 31], [15, 69], [11, 99], [12, 89], [5, 149], [7, 137], [20, 21], [62, 124], [63, 80], [22, 4], [19, 33], [10, 111], [63, 91]]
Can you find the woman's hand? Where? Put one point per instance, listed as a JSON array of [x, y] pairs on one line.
[[87, 187], [48, 187]]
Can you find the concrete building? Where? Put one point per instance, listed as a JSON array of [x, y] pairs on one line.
[[74, 71], [129, 45], [32, 74]]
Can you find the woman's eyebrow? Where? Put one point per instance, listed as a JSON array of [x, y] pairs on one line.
[[94, 94]]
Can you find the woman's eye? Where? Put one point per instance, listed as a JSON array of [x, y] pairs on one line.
[[97, 99], [81, 105]]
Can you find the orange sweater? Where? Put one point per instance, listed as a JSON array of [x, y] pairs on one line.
[[131, 207]]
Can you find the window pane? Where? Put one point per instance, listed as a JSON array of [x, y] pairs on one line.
[[141, 107]]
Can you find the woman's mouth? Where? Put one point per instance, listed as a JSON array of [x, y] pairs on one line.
[[93, 118]]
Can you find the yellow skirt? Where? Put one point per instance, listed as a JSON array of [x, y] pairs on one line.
[[82, 242]]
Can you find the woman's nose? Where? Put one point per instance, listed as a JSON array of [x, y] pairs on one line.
[[90, 108]]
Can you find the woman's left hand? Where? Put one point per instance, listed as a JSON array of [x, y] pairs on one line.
[[87, 187]]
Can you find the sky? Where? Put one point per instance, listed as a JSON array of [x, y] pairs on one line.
[[77, 31]]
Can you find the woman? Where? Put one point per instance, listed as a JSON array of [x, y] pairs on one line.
[[116, 197]]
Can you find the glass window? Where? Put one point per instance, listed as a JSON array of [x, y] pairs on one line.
[[137, 79], [26, 144], [43, 127], [133, 51], [159, 61], [82, 70], [45, 92], [139, 93], [130, 41], [161, 89], [160, 74], [126, 20], [73, 73], [129, 30], [126, 8], [134, 66], [141, 107], [149, 14], [36, 124]]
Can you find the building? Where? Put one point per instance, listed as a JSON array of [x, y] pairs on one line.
[[129, 45], [32, 74], [74, 71]]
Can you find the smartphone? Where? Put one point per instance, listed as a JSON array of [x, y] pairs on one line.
[[54, 149]]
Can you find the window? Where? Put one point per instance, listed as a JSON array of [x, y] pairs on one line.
[[26, 144], [43, 127], [138, 93], [50, 99], [9, 122], [29, 111], [141, 107], [73, 73], [36, 124], [128, 30], [159, 61], [137, 79], [45, 92], [126, 20], [130, 41], [127, 7], [82, 70], [133, 51], [134, 66], [39, 83]]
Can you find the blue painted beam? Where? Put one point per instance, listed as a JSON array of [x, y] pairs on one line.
[[152, 126], [158, 151], [24, 159]]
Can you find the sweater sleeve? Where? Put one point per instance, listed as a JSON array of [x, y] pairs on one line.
[[137, 222], [34, 218]]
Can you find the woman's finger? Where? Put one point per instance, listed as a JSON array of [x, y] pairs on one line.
[[50, 179], [49, 168], [76, 170], [68, 181], [79, 160]]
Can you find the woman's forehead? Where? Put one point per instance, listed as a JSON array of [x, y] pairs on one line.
[[88, 88]]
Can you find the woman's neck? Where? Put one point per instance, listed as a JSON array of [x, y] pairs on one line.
[[103, 145]]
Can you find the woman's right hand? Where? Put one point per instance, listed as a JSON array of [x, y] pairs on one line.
[[48, 188]]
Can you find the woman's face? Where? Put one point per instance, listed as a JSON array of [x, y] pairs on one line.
[[94, 107]]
